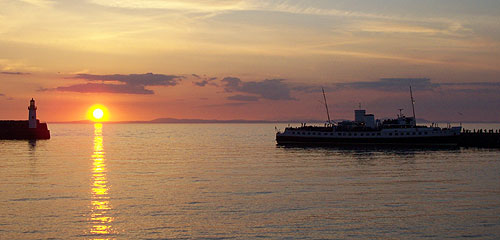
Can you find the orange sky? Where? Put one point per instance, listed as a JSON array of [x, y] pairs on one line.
[[228, 59]]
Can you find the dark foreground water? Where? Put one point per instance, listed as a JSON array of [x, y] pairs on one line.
[[175, 181]]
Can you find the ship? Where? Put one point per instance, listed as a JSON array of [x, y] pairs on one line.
[[31, 129], [366, 130]]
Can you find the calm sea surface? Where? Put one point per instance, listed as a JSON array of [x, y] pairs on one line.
[[219, 181]]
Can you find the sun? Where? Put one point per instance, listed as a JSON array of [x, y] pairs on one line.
[[98, 113]]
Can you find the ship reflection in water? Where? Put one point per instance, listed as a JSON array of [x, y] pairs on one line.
[[100, 218]]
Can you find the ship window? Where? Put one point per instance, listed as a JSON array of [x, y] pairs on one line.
[[419, 133], [355, 134], [340, 134], [390, 134], [325, 134], [396, 134], [373, 134], [408, 133], [304, 133], [308, 133], [378, 134], [331, 134], [350, 134], [314, 133], [414, 133], [425, 133], [361, 134]]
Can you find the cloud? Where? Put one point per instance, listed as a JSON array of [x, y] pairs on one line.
[[383, 84], [103, 88], [201, 83], [272, 89], [204, 80], [214, 6], [126, 84], [196, 6], [476, 84], [15, 73], [473, 87], [39, 3], [244, 98], [6, 97], [393, 84], [402, 85], [147, 79]]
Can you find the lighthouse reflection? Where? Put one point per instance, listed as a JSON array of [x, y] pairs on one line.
[[100, 216]]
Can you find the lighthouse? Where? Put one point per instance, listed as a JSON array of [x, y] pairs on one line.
[[32, 114]]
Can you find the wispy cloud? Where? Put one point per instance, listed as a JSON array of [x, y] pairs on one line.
[[188, 5], [284, 6], [38, 3], [15, 73]]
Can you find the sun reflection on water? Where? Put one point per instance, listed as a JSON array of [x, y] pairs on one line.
[[100, 217]]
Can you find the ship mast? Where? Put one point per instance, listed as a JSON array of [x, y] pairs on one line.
[[413, 107], [326, 106]]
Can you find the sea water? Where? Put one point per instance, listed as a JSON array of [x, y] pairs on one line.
[[223, 181]]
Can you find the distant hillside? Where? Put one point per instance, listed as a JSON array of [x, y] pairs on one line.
[[176, 120]]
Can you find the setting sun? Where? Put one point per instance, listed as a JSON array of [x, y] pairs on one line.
[[98, 113]]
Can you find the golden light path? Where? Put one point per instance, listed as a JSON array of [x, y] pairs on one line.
[[100, 218]]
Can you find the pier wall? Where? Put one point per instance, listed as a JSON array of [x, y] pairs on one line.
[[20, 130], [488, 138]]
